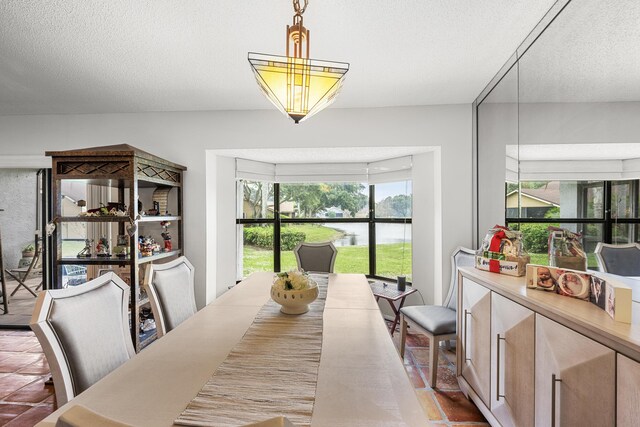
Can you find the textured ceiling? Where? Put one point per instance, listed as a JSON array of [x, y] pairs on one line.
[[88, 56], [591, 53]]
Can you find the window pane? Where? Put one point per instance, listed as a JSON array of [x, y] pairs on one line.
[[393, 250], [351, 240], [624, 233], [255, 199], [535, 240], [324, 200], [556, 199], [393, 200], [622, 200], [255, 249]]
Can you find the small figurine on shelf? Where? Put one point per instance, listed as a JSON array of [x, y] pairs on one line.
[[146, 245], [86, 252], [121, 250], [166, 236], [102, 248]]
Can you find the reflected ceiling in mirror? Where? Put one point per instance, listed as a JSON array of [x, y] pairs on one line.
[[590, 53]]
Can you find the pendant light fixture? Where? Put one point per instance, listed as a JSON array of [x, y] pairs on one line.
[[298, 86]]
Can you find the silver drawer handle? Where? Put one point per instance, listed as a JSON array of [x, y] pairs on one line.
[[498, 395], [554, 380], [466, 327]]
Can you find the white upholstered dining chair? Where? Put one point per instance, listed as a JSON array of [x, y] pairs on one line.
[[170, 287], [438, 322], [84, 332], [623, 260], [316, 257]]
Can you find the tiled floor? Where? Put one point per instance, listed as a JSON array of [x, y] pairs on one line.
[[446, 405], [25, 399]]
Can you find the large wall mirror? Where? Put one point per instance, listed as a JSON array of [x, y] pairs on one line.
[[558, 132]]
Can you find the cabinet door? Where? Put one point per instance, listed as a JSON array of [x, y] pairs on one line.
[[512, 362], [476, 337], [628, 393], [575, 378]]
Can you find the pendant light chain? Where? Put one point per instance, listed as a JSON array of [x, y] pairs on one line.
[[296, 6]]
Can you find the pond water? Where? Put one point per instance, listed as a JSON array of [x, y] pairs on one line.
[[358, 234]]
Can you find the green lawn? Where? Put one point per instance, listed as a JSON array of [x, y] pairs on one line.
[[315, 232], [350, 259], [543, 259]]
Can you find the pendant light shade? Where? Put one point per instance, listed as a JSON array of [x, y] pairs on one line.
[[298, 86]]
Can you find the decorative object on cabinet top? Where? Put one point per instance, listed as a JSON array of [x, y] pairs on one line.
[[502, 252]]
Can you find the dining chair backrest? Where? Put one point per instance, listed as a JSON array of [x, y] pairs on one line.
[[316, 257], [84, 332], [461, 257], [623, 260], [170, 287]]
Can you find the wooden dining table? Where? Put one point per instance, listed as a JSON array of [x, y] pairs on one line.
[[361, 379]]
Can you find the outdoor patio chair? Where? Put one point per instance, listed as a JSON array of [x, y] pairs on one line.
[[22, 274], [316, 257]]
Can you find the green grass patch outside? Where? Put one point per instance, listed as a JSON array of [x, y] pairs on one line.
[[350, 259]]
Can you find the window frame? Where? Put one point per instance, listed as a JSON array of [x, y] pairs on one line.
[[606, 221], [371, 220]]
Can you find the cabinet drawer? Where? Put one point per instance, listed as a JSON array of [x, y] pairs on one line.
[[574, 379], [475, 327]]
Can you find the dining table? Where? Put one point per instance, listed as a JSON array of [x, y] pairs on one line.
[[361, 380]]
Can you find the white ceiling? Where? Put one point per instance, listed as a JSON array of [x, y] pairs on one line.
[[109, 56], [591, 53]]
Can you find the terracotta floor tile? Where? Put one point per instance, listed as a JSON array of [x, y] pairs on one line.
[[429, 404], [32, 416], [19, 360], [11, 383], [23, 333], [17, 343], [474, 425], [447, 379], [6, 354], [457, 408], [40, 367], [35, 349], [35, 392], [8, 412], [420, 355], [414, 376], [51, 399], [417, 340]]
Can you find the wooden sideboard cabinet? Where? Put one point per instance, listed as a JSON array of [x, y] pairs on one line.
[[476, 329], [512, 362], [628, 392], [575, 378], [534, 358]]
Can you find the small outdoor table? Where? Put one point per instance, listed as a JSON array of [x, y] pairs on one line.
[[390, 293]]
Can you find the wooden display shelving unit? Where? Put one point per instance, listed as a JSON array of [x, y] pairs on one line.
[[122, 174]]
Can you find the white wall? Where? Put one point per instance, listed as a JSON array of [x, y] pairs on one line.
[[186, 137]]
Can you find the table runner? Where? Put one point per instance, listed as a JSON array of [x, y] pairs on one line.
[[272, 371]]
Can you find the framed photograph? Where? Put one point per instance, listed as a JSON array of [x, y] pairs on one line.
[[598, 292]]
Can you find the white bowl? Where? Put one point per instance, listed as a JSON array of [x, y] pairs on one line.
[[295, 302]]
